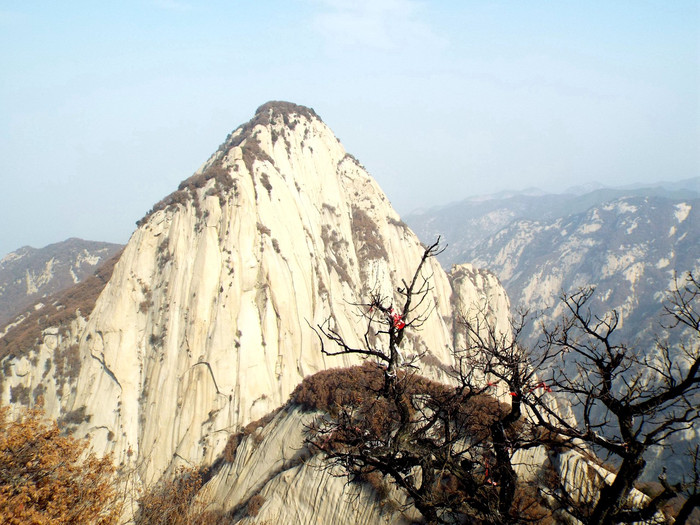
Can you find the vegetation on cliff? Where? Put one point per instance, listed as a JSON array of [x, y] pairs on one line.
[[45, 477]]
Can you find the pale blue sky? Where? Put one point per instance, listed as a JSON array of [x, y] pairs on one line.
[[106, 106]]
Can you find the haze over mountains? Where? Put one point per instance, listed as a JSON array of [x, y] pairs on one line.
[[627, 242], [183, 352], [467, 223], [28, 274]]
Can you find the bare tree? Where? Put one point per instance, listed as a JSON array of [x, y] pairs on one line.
[[691, 489], [626, 401], [497, 359], [450, 448], [384, 320], [434, 442]]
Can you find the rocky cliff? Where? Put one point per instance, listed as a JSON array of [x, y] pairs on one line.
[[274, 466], [206, 321], [628, 248]]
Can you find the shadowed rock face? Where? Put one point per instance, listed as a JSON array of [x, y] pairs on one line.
[[295, 485], [206, 321]]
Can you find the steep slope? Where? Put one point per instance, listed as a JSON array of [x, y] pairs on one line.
[[39, 351], [293, 484], [206, 322], [274, 464], [28, 274]]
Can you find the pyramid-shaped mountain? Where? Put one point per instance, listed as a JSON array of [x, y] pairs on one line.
[[206, 322]]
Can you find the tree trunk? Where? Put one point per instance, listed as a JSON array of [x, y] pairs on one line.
[[613, 496], [506, 475], [691, 503]]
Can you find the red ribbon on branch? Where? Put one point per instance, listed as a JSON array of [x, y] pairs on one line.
[[396, 319]]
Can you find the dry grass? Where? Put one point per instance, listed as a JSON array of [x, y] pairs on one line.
[[365, 234]]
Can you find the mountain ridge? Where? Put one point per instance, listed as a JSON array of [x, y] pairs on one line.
[[28, 274], [630, 248], [206, 326]]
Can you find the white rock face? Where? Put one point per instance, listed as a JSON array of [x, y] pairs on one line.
[[582, 480], [206, 322], [295, 485]]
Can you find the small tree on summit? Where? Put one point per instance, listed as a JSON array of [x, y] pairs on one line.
[[386, 321]]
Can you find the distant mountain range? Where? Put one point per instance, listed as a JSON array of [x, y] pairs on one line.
[[28, 274], [629, 244], [464, 225]]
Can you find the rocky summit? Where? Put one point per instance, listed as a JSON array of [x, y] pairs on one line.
[[205, 323]]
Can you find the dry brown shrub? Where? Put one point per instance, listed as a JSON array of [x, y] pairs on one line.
[[231, 446], [67, 363], [19, 394], [71, 419], [367, 415], [265, 180], [45, 478], [528, 507], [328, 390], [254, 504], [359, 390], [398, 223], [254, 425], [336, 388], [172, 501], [235, 439], [187, 190], [375, 480], [366, 236]]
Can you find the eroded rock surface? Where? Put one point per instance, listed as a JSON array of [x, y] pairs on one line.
[[206, 322]]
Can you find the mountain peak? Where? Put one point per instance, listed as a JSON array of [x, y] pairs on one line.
[[275, 112], [280, 107], [207, 322], [279, 131]]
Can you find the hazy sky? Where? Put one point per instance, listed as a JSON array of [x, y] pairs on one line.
[[106, 106]]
